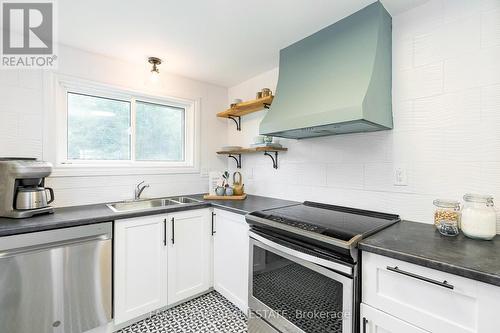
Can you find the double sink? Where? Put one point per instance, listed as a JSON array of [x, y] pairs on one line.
[[127, 206]]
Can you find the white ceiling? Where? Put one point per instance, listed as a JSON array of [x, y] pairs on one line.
[[219, 41]]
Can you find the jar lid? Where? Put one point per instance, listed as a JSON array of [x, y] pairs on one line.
[[470, 197], [444, 203]]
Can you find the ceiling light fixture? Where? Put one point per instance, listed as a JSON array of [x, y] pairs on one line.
[[155, 72]]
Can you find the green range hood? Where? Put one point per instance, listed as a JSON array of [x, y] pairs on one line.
[[335, 81]]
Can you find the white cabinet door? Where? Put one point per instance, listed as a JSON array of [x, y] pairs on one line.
[[189, 254], [375, 321], [139, 267], [231, 251]]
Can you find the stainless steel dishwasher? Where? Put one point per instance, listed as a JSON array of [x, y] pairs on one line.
[[56, 281]]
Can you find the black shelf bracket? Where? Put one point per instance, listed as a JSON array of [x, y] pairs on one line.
[[237, 121], [237, 159], [267, 105], [274, 158]]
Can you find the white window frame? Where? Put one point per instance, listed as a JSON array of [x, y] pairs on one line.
[[55, 142]]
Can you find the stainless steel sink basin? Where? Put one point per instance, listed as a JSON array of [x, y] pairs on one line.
[[127, 206], [184, 200]]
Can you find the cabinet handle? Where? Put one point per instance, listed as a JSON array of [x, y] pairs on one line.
[[173, 230], [165, 232], [365, 321], [443, 284], [213, 230]]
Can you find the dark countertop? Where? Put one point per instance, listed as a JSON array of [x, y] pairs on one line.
[[251, 204], [89, 214], [422, 244]]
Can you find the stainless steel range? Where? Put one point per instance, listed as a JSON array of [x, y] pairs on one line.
[[304, 267]]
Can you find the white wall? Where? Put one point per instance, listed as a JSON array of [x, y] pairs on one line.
[[446, 105], [21, 117]]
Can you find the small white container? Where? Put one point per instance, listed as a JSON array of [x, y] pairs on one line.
[[479, 217]]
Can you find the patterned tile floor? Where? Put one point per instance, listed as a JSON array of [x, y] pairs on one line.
[[207, 313]]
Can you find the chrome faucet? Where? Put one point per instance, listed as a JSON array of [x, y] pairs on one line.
[[139, 188]]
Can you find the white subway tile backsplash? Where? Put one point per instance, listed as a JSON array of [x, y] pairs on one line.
[[447, 179], [9, 128], [380, 177], [462, 73], [490, 173], [312, 174], [460, 9], [418, 145], [418, 82], [489, 145], [450, 40], [403, 113], [30, 127], [490, 66], [421, 19], [362, 147], [345, 175], [490, 104], [473, 70], [31, 78], [8, 77], [402, 56], [490, 28], [448, 111]]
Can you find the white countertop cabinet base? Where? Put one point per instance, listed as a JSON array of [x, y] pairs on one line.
[[422, 299], [231, 251], [158, 262]]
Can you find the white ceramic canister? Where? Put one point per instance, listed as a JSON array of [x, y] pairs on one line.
[[479, 217]]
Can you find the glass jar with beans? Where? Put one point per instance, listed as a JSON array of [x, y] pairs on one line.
[[447, 217]]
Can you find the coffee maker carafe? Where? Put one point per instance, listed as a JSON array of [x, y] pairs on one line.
[[22, 187]]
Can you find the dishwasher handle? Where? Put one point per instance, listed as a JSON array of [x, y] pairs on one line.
[[51, 245]]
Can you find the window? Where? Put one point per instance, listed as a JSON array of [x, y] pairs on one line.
[[102, 130], [98, 128], [159, 132]]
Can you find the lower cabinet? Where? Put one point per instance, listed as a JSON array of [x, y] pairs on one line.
[[189, 254], [231, 251], [140, 267], [160, 260], [375, 321], [432, 300]]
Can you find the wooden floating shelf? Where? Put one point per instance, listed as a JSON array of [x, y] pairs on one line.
[[251, 150], [247, 107], [268, 151]]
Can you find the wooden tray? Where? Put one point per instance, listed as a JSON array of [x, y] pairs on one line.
[[225, 197]]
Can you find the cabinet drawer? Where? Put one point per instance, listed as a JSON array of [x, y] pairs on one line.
[[375, 321], [420, 295]]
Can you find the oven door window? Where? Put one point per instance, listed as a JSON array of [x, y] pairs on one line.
[[312, 301]]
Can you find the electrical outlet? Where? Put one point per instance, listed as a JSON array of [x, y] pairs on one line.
[[400, 176]]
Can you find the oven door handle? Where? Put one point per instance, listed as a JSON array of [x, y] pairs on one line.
[[304, 256]]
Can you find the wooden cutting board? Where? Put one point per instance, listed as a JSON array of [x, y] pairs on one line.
[[224, 197]]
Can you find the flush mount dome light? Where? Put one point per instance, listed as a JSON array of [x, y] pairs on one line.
[[155, 72]]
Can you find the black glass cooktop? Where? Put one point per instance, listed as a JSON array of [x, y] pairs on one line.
[[334, 221]]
